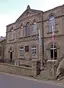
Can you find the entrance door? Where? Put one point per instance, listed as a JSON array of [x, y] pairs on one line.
[[10, 56]]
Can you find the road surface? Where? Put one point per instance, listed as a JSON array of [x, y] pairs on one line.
[[11, 81]]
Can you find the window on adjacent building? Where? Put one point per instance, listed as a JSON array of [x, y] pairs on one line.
[[33, 50], [21, 31], [22, 52], [27, 31], [51, 23], [26, 48], [34, 27], [0, 51]]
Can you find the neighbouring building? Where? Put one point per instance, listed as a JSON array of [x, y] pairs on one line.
[[2, 47], [30, 36]]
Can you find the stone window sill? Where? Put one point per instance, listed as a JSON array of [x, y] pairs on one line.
[[51, 32], [21, 58], [11, 40]]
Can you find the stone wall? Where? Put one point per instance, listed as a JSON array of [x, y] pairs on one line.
[[52, 69], [19, 70], [34, 70]]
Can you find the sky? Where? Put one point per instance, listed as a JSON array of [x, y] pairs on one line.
[[10, 10]]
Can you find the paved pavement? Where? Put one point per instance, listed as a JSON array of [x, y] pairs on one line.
[[11, 81]]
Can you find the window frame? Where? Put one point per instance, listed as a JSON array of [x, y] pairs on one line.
[[34, 29], [51, 51], [21, 32], [21, 52], [27, 29], [12, 34], [26, 48], [51, 23], [33, 50]]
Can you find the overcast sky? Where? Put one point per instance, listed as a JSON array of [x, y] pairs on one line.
[[10, 10]]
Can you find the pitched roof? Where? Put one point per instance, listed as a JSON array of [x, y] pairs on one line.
[[29, 9], [2, 38]]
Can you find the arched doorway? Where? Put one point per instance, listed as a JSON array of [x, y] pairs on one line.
[[53, 52], [10, 56]]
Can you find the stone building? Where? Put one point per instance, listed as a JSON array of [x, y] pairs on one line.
[[2, 47], [22, 36], [30, 36]]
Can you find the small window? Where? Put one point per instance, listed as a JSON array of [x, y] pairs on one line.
[[22, 52], [26, 48], [51, 24], [35, 27], [33, 50]]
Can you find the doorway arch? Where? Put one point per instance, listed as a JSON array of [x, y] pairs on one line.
[[11, 53]]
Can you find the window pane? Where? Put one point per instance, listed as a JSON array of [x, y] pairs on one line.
[[26, 48], [12, 34], [28, 29], [21, 52], [53, 50], [33, 50], [51, 23], [21, 31], [35, 27]]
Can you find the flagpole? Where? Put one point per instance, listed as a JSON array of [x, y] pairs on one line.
[[53, 40], [53, 50], [39, 43]]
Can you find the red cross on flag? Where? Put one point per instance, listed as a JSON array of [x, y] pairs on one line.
[[53, 38]]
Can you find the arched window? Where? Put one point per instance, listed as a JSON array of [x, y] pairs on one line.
[[27, 31], [51, 23], [12, 34], [21, 31], [53, 52], [34, 27]]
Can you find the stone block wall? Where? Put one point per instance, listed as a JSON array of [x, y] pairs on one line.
[[34, 70], [18, 70], [52, 69]]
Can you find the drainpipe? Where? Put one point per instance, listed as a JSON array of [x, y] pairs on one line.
[[42, 41]]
